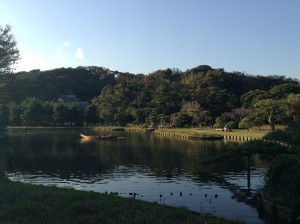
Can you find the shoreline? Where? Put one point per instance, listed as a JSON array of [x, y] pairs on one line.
[[21, 202], [182, 133], [194, 133]]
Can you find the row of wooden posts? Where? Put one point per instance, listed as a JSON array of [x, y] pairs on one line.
[[225, 137]]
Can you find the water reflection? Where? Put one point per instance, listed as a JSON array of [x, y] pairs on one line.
[[151, 168]]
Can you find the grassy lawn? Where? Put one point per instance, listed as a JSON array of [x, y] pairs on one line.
[[25, 203], [254, 133], [199, 132]]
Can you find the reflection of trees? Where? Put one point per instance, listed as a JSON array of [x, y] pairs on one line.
[[62, 154], [239, 193], [50, 153]]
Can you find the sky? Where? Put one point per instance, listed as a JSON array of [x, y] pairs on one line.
[[257, 37]]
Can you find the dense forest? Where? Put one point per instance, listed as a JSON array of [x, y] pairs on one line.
[[201, 96]]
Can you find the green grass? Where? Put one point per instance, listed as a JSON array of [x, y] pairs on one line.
[[197, 132], [211, 132], [25, 203]]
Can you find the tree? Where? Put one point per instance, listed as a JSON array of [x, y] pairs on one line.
[[251, 97], [180, 119], [289, 136], [9, 54], [165, 99], [281, 91], [273, 110], [60, 113], [193, 109], [74, 115], [14, 112], [283, 181], [294, 106], [32, 111], [219, 123], [3, 117], [206, 117], [91, 114], [246, 122]]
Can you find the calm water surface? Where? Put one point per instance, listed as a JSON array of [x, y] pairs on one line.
[[156, 169]]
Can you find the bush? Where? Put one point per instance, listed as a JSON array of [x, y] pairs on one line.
[[219, 123], [283, 181], [232, 124], [246, 123]]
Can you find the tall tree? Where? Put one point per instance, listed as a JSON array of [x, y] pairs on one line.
[[273, 110], [60, 113], [3, 117], [14, 112], [9, 54], [32, 111], [294, 106], [91, 115]]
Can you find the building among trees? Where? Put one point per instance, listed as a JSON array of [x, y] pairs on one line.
[[70, 99]]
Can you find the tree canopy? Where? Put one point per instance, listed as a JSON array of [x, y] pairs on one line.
[[9, 53], [163, 96]]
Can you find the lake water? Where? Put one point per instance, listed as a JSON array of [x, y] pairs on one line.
[[151, 168]]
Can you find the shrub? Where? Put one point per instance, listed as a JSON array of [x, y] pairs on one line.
[[283, 181], [246, 123], [232, 124], [219, 123]]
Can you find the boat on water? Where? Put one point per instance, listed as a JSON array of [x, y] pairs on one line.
[[96, 137]]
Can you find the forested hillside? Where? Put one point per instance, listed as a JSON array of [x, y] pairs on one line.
[[85, 82], [199, 96]]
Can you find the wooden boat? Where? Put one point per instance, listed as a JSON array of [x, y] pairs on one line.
[[88, 137], [96, 137]]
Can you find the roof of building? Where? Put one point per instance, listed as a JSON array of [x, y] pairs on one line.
[[70, 99]]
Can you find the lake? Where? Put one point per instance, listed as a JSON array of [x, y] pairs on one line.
[[151, 168]]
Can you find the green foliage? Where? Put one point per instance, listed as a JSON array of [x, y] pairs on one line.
[[273, 110], [283, 90], [32, 111], [246, 122], [267, 150], [91, 114], [248, 99], [14, 111], [180, 119], [25, 203], [59, 113], [290, 136], [112, 103], [84, 82], [9, 54], [283, 175], [294, 106], [206, 117], [283, 181], [3, 117], [124, 97], [232, 124], [219, 123]]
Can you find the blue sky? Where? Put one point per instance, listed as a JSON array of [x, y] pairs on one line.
[[260, 37]]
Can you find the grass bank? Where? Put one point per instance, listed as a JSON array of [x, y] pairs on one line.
[[25, 203], [194, 132], [198, 132], [191, 133]]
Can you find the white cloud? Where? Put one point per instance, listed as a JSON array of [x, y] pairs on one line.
[[79, 54], [66, 44]]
